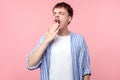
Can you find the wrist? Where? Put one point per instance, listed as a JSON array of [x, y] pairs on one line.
[[46, 42]]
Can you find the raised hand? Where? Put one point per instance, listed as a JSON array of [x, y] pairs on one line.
[[51, 33]]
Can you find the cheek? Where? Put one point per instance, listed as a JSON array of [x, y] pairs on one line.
[[53, 18], [63, 19]]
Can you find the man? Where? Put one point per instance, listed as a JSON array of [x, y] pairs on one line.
[[61, 54]]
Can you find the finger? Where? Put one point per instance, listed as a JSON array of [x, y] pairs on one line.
[[55, 26], [57, 30]]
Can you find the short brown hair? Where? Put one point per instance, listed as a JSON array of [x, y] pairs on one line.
[[66, 6]]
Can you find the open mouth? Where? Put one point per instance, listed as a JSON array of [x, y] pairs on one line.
[[57, 20]]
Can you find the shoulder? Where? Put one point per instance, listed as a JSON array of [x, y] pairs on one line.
[[77, 36]]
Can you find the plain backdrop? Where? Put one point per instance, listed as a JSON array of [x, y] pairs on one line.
[[23, 22]]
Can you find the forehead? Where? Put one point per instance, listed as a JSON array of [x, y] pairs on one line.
[[60, 9]]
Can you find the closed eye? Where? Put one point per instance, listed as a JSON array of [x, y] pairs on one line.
[[61, 13]]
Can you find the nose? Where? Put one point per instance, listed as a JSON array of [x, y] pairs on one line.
[[56, 15]]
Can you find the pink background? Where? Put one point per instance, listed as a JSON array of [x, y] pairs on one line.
[[23, 22]]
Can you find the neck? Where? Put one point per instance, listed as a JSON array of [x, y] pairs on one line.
[[63, 32]]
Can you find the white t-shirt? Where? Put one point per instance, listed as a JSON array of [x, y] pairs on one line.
[[60, 59]]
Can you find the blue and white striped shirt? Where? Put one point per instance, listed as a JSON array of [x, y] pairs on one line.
[[80, 58]]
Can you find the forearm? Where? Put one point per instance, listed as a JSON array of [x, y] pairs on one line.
[[86, 77], [37, 55]]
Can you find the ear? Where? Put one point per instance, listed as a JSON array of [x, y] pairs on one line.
[[69, 19]]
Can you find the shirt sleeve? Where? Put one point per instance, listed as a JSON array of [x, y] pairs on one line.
[[29, 54], [86, 60]]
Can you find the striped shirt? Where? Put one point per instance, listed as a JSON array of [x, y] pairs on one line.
[[80, 58]]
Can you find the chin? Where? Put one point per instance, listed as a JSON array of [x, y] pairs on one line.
[[60, 27]]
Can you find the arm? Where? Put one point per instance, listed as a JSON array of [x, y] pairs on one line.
[[86, 62], [36, 56], [86, 77]]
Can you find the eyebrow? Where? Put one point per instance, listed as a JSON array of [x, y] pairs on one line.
[[58, 12]]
